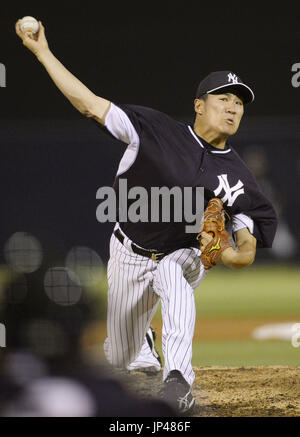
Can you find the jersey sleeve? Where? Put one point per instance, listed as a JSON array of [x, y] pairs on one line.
[[128, 122], [264, 219], [136, 126], [120, 126], [259, 209], [265, 225], [240, 221]]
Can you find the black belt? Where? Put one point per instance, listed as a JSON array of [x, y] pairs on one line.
[[153, 254]]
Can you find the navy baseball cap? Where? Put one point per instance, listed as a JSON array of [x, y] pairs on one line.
[[225, 81]]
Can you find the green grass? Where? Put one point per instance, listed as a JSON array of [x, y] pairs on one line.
[[257, 292], [245, 353], [253, 292]]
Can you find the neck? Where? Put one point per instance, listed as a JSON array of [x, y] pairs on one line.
[[211, 137]]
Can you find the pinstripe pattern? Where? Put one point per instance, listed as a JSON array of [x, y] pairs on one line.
[[177, 276], [132, 303], [136, 284]]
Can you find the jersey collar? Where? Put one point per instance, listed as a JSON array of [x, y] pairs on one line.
[[205, 145]]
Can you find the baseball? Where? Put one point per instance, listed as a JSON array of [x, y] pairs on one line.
[[29, 23]]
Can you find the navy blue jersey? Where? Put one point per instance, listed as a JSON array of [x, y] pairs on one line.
[[169, 153]]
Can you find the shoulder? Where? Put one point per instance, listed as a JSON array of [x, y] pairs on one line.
[[145, 114]]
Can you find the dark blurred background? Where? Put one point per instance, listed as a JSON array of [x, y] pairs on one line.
[[53, 160]]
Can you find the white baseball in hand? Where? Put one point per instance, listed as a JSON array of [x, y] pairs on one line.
[[29, 23]]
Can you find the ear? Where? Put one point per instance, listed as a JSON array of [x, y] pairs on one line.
[[199, 106]]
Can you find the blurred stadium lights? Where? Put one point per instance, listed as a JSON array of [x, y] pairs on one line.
[[87, 265], [23, 252], [62, 286]]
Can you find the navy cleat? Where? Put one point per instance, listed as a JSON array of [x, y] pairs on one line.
[[177, 393]]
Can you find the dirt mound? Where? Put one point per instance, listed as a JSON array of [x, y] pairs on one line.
[[271, 391]]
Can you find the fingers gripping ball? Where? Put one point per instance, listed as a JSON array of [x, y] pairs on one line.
[[213, 222], [29, 23]]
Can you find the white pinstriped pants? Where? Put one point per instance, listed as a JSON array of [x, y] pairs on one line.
[[136, 284]]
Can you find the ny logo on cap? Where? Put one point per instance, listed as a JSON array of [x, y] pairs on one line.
[[232, 78]]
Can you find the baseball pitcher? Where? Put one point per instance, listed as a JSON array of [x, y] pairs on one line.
[[158, 261]]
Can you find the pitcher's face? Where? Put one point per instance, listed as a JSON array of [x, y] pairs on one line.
[[223, 113]]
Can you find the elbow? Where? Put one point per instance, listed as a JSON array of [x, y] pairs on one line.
[[85, 105], [82, 106], [96, 108], [86, 112], [86, 109]]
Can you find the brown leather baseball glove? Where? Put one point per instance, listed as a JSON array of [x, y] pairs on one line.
[[213, 222]]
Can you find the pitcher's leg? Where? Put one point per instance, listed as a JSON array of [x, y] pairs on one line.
[[131, 304], [172, 283], [148, 360]]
